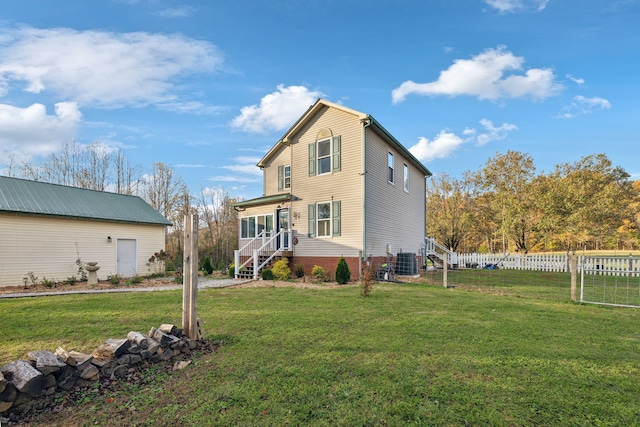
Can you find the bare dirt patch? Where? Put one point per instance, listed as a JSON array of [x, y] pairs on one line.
[[84, 286], [300, 283]]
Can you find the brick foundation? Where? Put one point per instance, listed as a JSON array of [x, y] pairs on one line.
[[328, 263]]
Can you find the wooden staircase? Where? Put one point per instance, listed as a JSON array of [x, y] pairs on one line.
[[260, 253], [247, 272]]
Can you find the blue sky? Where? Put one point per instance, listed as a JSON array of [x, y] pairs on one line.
[[209, 86]]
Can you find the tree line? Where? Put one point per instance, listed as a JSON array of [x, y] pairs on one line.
[[98, 167], [507, 207]]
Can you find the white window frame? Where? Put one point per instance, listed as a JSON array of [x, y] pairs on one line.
[[287, 177], [328, 156], [327, 220], [255, 220], [390, 168], [406, 177]]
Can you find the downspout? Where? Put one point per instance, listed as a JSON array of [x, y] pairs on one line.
[[291, 245], [366, 123]]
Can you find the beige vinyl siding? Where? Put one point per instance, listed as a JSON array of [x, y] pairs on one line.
[[49, 246], [344, 185], [394, 217], [282, 158]]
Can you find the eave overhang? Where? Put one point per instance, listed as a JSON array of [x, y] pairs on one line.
[[261, 201]]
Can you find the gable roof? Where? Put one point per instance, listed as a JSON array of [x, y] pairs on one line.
[[363, 117], [22, 196]]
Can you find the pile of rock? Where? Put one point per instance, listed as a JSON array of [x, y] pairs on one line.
[[46, 372]]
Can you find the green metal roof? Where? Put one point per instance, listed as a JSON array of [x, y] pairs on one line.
[[39, 198], [266, 200]]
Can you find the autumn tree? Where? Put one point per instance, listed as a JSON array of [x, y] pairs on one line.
[[595, 201], [508, 182], [448, 210], [220, 222]]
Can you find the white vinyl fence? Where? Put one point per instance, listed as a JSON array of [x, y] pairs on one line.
[[537, 262]]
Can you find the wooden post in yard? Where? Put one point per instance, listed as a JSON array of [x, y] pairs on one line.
[[190, 321], [573, 263], [445, 268]]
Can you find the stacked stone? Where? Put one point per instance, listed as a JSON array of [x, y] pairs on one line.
[[46, 372]]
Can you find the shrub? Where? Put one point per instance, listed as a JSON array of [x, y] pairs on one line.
[[178, 279], [232, 270], [298, 270], [207, 266], [281, 270], [343, 275], [134, 280], [71, 280], [31, 279], [366, 285], [267, 274], [319, 273], [48, 283], [114, 279]]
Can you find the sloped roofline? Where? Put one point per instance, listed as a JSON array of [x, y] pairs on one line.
[[363, 117], [285, 140], [25, 197]]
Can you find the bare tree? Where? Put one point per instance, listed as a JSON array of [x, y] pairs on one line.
[[127, 176], [11, 164], [61, 166], [93, 174], [162, 189]]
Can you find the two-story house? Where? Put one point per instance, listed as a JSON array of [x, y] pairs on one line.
[[336, 184]]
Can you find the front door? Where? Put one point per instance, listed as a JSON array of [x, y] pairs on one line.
[[126, 263], [283, 224]]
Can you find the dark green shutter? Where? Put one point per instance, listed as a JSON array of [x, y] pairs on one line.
[[312, 220], [312, 159], [280, 178], [336, 153], [336, 218]]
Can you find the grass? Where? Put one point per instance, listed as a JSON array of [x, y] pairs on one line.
[[410, 354]]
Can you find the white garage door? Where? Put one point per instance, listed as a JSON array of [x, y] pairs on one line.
[[126, 264]]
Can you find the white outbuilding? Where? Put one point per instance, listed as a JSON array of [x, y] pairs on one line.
[[49, 230]]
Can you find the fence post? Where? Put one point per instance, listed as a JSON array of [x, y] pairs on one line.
[[573, 260], [190, 321], [445, 268]]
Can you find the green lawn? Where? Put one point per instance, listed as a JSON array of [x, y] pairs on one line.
[[413, 354]]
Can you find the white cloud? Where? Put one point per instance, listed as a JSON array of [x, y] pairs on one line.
[[276, 111], [30, 131], [245, 170], [582, 105], [440, 147], [493, 133], [249, 169], [514, 5], [100, 68], [191, 107], [576, 80], [177, 12], [483, 76], [446, 143], [233, 178]]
